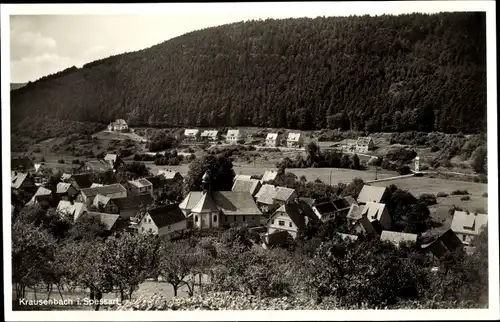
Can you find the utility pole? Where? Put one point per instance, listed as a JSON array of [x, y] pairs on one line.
[[331, 177], [376, 170]]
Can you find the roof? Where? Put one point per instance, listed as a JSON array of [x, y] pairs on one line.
[[168, 174], [236, 203], [397, 237], [283, 193], [350, 200], [101, 200], [341, 203], [294, 212], [108, 220], [294, 137], [325, 207], [468, 223], [70, 208], [371, 193], [272, 136], [111, 157], [82, 180], [191, 132], [140, 183], [364, 140], [350, 142], [348, 236], [96, 185], [248, 185], [97, 165], [133, 202], [41, 192], [65, 176], [355, 212], [63, 187], [448, 241], [205, 204], [242, 176], [233, 133], [191, 200], [373, 210], [209, 133], [266, 194], [269, 175], [104, 190], [120, 122], [17, 179], [166, 215], [309, 201]]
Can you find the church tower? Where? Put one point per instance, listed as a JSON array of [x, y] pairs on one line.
[[206, 182]]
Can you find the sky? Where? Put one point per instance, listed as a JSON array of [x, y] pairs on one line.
[[45, 39]]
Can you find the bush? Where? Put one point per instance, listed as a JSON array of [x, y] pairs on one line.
[[428, 198], [442, 195], [76, 161], [60, 161], [435, 148], [485, 195], [460, 192], [403, 170], [464, 198]]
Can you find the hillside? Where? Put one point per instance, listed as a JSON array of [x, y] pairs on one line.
[[388, 73], [14, 86]]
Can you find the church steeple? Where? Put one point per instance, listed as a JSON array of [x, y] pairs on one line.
[[206, 181]]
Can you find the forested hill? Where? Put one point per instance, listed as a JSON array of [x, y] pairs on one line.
[[386, 73]]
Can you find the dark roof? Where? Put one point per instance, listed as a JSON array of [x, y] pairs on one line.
[[309, 201], [236, 203], [341, 203], [82, 180], [133, 202], [166, 215], [325, 207], [446, 242], [25, 162]]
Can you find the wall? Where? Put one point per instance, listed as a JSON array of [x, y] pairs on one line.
[[385, 219], [244, 219], [206, 220], [146, 224], [177, 227], [274, 224]]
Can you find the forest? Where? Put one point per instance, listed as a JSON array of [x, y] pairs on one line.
[[413, 72]]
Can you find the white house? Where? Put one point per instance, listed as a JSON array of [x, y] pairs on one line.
[[468, 225], [210, 135], [118, 125], [191, 134], [164, 220], [272, 140], [71, 209], [397, 237], [288, 217], [140, 187], [364, 144], [113, 191], [376, 213], [233, 136], [295, 140], [372, 194], [269, 175]]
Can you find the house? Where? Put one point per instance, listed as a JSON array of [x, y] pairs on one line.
[[97, 166], [104, 204], [42, 197], [364, 144], [348, 237], [327, 209], [295, 140], [269, 175], [72, 209], [242, 177], [140, 187], [270, 197], [110, 221], [468, 225], [164, 220], [113, 191], [288, 217], [397, 238], [191, 135], [65, 189], [446, 243], [113, 160], [118, 125], [22, 181], [234, 136], [250, 185], [376, 213], [65, 177], [272, 140], [130, 206], [372, 194], [210, 135]]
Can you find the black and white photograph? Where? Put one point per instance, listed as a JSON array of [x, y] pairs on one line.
[[250, 161]]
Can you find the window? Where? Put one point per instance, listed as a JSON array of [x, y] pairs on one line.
[[273, 222], [150, 230], [244, 218], [290, 224], [464, 237], [195, 218], [215, 218], [281, 223], [168, 227], [142, 229]]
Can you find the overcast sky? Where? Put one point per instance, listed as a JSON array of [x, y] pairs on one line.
[[44, 44]]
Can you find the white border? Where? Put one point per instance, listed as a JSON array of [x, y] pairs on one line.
[[266, 9]]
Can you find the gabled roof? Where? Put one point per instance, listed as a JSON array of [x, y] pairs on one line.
[[249, 185], [325, 207], [134, 201], [236, 203], [205, 204], [350, 200], [166, 215], [294, 137], [17, 179], [98, 165], [294, 212], [468, 223], [191, 200], [397, 237], [63, 187], [108, 220], [371, 193], [96, 185], [70, 208], [309, 201], [82, 180], [41, 193], [272, 136], [231, 133], [120, 122], [446, 242], [191, 132], [341, 203], [209, 133], [111, 157], [242, 176], [373, 210], [104, 190], [140, 183], [100, 200], [65, 176], [266, 194], [269, 175], [348, 237], [169, 174], [283, 193], [355, 212], [364, 140]]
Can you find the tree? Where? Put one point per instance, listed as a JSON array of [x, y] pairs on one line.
[[355, 164], [353, 189], [479, 157], [135, 170], [87, 228], [220, 169]]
